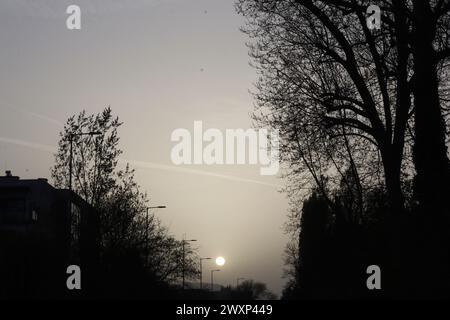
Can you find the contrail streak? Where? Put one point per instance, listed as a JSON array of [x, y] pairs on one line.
[[152, 165], [37, 115], [145, 164], [27, 144]]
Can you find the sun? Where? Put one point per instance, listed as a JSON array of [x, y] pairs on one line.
[[220, 261]]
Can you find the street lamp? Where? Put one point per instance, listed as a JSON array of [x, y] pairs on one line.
[[212, 278], [146, 230], [237, 281], [184, 256], [71, 136], [201, 275]]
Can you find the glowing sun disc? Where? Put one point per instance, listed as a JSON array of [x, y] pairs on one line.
[[220, 261]]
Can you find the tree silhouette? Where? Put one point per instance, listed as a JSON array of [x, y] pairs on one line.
[[247, 290], [360, 113], [337, 91], [135, 249]]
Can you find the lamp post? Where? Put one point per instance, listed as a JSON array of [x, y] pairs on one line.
[[237, 281], [184, 257], [201, 274], [212, 278], [146, 230], [71, 136]]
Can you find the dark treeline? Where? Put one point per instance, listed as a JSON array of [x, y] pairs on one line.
[[363, 116], [335, 247], [246, 290]]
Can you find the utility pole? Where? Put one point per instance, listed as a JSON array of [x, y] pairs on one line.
[[212, 279], [184, 257], [201, 273], [147, 222]]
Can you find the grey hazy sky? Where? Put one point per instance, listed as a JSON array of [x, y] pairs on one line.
[[160, 65]]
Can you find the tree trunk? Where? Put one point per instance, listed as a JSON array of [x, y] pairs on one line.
[[430, 151], [430, 158], [392, 166]]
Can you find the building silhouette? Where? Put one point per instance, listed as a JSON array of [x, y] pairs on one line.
[[43, 230]]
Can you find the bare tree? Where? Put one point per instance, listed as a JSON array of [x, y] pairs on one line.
[[338, 92], [354, 105]]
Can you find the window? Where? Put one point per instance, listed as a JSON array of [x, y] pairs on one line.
[[34, 215]]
